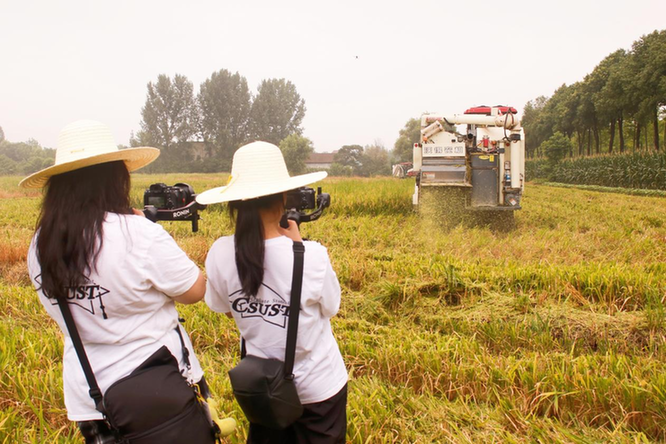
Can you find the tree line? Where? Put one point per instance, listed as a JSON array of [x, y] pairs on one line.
[[620, 105], [23, 157], [201, 132]]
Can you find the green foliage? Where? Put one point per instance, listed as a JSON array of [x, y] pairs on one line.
[[296, 149], [375, 161], [350, 156], [556, 147], [354, 160], [169, 113], [2, 135], [623, 94], [403, 148], [536, 128], [639, 170], [649, 63], [24, 157], [223, 116], [337, 169], [277, 111], [536, 168], [183, 158], [224, 101], [202, 134]]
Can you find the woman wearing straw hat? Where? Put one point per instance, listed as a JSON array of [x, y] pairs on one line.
[[249, 278], [119, 273]]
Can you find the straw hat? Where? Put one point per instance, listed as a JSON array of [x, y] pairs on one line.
[[85, 143], [258, 169]]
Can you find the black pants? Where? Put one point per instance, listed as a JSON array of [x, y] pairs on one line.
[[99, 432], [322, 423]]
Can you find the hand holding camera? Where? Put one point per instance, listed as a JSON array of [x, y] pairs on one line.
[[162, 202], [302, 199]]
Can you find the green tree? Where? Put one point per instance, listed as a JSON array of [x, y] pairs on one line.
[[608, 92], [7, 165], [556, 147], [296, 149], [350, 156], [24, 157], [403, 149], [340, 170], [2, 135], [536, 130], [277, 111], [376, 161], [648, 64], [224, 101], [169, 112]]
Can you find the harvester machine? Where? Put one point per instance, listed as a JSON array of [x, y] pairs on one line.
[[481, 169]]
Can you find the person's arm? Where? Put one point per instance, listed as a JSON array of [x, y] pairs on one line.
[[217, 295], [169, 270], [330, 294], [195, 293]]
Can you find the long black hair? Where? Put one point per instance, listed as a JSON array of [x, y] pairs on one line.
[[71, 222], [249, 239]]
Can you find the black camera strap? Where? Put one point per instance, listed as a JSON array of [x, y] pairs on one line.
[[294, 312], [94, 392]]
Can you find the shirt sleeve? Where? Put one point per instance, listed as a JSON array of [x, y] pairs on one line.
[[217, 296], [330, 295], [169, 269]]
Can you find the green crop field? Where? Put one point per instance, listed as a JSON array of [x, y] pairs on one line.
[[552, 332]]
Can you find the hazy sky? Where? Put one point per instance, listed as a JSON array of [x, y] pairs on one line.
[[363, 67]]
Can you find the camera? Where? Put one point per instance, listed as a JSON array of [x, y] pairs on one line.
[[302, 199], [162, 202]]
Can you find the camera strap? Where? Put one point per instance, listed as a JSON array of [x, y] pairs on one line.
[[294, 311], [94, 392]]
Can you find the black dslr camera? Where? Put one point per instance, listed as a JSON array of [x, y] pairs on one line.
[[162, 202], [301, 199]]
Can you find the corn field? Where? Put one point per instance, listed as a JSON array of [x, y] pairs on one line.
[[554, 332], [637, 170]]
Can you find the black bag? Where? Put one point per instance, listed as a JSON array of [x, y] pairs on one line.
[[155, 404], [264, 388], [152, 405]]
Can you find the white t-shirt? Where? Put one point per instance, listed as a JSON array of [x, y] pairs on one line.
[[125, 312], [319, 371]]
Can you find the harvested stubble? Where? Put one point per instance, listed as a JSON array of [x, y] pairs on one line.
[[553, 332]]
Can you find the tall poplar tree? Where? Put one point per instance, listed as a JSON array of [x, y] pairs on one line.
[[225, 102], [277, 111], [169, 113]]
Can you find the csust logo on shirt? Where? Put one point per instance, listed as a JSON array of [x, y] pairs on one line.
[[268, 305], [84, 296]]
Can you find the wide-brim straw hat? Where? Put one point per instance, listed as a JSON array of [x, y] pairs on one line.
[[85, 143], [258, 169]]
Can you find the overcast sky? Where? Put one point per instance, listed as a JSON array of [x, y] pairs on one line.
[[363, 67]]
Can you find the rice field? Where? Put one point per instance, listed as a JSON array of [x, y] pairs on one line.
[[554, 332]]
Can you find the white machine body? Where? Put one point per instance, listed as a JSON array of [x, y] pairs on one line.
[[487, 158]]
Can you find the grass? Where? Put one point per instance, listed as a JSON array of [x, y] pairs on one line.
[[551, 332], [630, 191]]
